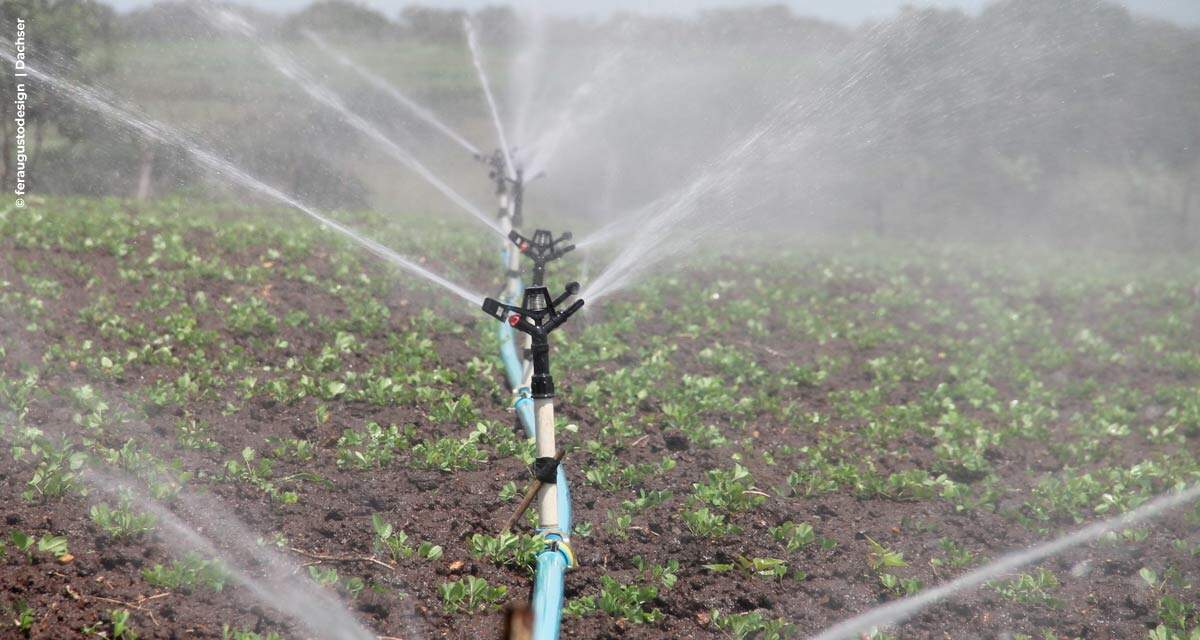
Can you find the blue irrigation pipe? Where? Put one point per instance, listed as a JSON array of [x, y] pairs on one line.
[[514, 364], [552, 564], [564, 502], [513, 370], [524, 407]]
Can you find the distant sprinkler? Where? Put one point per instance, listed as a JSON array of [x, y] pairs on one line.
[[543, 248], [509, 182], [497, 169]]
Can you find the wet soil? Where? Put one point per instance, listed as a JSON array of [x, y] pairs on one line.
[[1103, 597]]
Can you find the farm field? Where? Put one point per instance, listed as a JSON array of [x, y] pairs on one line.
[[760, 449]]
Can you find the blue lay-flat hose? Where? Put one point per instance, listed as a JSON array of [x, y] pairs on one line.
[[552, 564], [524, 407], [564, 501], [514, 368]]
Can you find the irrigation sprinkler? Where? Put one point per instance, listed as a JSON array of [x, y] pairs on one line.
[[498, 174], [541, 249], [537, 317], [510, 193], [510, 185]]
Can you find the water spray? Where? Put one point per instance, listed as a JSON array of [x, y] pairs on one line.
[[477, 60], [537, 317], [272, 580], [379, 83], [290, 68], [159, 132], [903, 609]]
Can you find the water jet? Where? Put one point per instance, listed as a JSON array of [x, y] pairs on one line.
[[421, 111], [126, 116], [290, 68]]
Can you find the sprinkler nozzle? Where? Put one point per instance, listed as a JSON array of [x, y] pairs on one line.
[[492, 308]]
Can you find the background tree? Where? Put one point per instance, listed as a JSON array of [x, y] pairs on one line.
[[437, 25], [58, 33], [339, 17]]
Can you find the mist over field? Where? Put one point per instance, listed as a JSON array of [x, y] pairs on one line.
[[1074, 121], [367, 320]]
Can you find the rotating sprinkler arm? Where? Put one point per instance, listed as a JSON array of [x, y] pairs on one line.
[[563, 297], [539, 315], [541, 249]]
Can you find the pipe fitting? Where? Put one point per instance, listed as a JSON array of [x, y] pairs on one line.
[[542, 386], [546, 470], [556, 541]]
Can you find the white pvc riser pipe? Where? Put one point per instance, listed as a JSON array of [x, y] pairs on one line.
[[543, 408]]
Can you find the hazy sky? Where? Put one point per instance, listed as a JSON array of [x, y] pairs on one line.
[[847, 11]]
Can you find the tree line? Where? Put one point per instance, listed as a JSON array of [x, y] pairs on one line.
[[1070, 117]]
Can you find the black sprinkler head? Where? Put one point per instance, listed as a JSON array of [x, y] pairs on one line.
[[541, 249], [497, 169], [538, 314]]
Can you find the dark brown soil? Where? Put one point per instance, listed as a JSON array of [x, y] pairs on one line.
[[1102, 594]]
